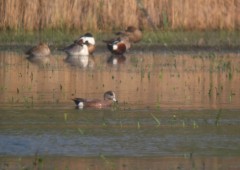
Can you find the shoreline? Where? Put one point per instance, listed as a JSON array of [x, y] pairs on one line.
[[142, 48]]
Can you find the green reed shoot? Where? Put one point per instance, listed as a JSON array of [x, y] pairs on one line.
[[138, 125], [231, 95], [104, 122], [107, 162], [230, 98], [158, 102], [195, 124], [230, 75], [38, 162], [174, 119], [31, 76], [183, 123], [149, 75], [160, 75], [121, 125], [156, 119], [142, 73], [81, 131], [65, 116], [210, 91], [218, 117]]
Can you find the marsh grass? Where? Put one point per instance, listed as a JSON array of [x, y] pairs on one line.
[[199, 38], [110, 14]]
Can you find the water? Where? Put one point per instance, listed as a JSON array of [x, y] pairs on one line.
[[176, 111]]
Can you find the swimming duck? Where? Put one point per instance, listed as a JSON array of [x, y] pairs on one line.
[[41, 50], [109, 99], [134, 34], [77, 48], [119, 45], [91, 42]]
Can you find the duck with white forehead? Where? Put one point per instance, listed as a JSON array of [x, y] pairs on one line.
[[88, 37]]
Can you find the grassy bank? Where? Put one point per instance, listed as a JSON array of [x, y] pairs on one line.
[[166, 38], [111, 14]]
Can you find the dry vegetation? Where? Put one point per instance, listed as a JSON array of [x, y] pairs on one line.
[[110, 14]]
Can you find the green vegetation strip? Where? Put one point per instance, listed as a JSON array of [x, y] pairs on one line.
[[165, 38]]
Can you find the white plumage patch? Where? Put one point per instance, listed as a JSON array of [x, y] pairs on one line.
[[84, 50], [115, 47], [80, 105], [91, 40]]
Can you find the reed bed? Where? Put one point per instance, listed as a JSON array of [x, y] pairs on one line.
[[106, 15]]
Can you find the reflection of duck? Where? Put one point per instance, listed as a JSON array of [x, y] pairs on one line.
[[77, 48], [134, 34], [39, 60], [115, 60], [81, 61], [119, 45], [109, 99], [41, 50], [91, 42]]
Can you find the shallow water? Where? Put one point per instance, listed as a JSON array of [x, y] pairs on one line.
[[119, 133], [176, 111], [167, 80]]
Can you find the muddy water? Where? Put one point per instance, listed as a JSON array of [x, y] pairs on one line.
[[176, 111], [146, 79]]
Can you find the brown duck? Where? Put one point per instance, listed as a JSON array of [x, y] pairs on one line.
[[41, 50], [134, 34], [109, 99]]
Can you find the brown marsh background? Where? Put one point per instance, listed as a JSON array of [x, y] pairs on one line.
[[102, 15]]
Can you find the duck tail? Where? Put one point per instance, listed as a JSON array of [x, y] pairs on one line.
[[120, 33], [78, 100]]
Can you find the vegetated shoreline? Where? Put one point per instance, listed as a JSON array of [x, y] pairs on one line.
[[218, 40]]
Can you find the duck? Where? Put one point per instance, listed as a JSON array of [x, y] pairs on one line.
[[77, 48], [91, 41], [134, 34], [109, 99], [118, 46], [40, 50]]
